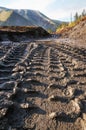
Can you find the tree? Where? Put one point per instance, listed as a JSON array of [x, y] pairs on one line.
[[83, 13], [76, 16]]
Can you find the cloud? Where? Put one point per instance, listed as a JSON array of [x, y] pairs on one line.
[[52, 8], [30, 4], [64, 14], [59, 13], [63, 0]]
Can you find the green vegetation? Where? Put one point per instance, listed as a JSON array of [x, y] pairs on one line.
[[77, 18]]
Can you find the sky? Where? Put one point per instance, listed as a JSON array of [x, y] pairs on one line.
[[62, 10]]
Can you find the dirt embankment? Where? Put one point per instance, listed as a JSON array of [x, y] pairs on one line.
[[78, 32], [14, 33]]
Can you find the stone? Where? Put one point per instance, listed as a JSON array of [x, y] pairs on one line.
[[53, 115]]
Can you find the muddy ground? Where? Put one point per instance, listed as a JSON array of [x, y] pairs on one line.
[[43, 86]]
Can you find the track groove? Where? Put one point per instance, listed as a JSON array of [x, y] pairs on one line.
[[42, 87]]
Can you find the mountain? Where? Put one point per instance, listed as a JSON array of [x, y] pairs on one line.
[[3, 8], [25, 17], [11, 18], [37, 18]]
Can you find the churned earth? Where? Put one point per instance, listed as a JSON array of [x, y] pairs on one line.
[[43, 86]]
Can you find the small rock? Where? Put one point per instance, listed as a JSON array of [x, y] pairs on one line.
[[25, 90], [61, 69], [16, 69], [9, 95], [24, 105], [68, 92], [53, 115], [51, 98], [15, 90], [3, 112], [75, 108]]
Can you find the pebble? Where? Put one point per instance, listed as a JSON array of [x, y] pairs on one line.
[[68, 92], [24, 105], [51, 98], [53, 115], [3, 112]]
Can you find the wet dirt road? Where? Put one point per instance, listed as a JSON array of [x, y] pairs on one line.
[[42, 86]]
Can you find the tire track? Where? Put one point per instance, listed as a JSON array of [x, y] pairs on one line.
[[42, 87]]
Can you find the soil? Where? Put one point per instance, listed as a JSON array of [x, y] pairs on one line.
[[21, 33], [78, 32], [43, 86]]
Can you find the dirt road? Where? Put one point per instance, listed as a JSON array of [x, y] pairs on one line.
[[42, 86]]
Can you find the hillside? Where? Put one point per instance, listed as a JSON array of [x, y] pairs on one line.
[[11, 18], [37, 18], [78, 31], [25, 17]]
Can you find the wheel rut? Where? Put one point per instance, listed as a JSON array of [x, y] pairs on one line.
[[42, 87]]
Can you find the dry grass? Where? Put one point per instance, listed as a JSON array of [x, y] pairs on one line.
[[4, 15], [70, 26]]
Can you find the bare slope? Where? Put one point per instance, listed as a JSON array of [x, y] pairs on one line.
[[78, 31]]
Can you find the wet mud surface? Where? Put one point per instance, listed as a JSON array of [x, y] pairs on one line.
[[42, 86]]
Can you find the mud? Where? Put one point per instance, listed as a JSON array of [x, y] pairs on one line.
[[42, 86]]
